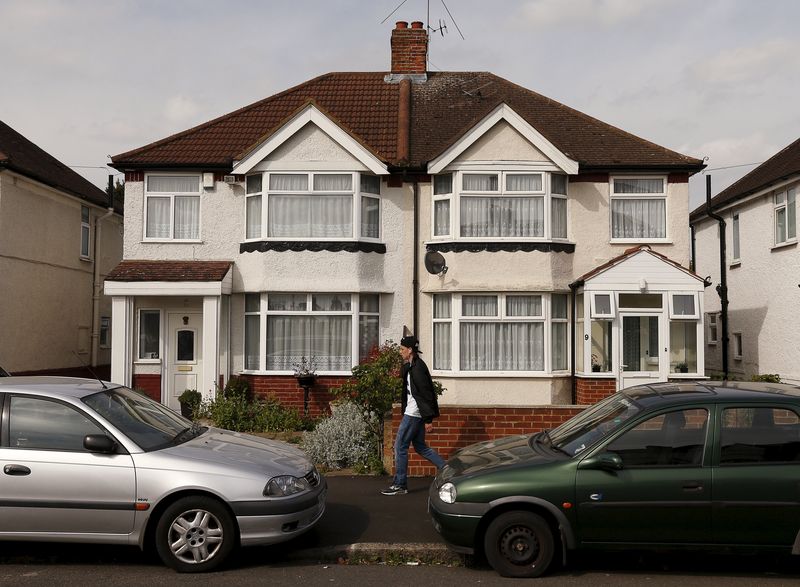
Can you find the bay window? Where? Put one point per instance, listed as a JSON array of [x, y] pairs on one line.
[[328, 328], [313, 206], [499, 205], [500, 332], [638, 208], [785, 217], [172, 207]]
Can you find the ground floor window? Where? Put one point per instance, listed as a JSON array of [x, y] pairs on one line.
[[683, 346], [502, 332], [149, 334], [327, 329]]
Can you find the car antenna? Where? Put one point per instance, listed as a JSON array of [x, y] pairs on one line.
[[89, 369]]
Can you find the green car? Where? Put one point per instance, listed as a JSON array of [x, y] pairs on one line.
[[711, 464]]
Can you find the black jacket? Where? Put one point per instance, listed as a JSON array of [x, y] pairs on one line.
[[421, 389]]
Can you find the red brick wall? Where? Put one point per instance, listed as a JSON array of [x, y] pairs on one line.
[[290, 394], [458, 427], [149, 383], [590, 391]]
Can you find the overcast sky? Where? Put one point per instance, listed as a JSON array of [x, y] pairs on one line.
[[84, 79]]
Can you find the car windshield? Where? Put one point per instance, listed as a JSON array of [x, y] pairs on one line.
[[579, 433], [149, 424]]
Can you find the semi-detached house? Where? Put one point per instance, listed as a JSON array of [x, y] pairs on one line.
[[299, 226]]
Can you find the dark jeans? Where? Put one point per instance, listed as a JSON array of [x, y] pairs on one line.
[[411, 431]]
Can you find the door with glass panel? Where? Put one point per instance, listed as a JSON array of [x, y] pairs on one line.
[[184, 356], [640, 359]]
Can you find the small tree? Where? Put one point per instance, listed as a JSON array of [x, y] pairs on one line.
[[375, 385]]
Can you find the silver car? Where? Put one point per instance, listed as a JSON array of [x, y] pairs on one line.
[[88, 461]]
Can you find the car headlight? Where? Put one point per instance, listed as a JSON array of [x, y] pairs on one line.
[[285, 485], [447, 493]]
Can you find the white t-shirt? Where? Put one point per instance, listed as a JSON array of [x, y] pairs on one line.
[[412, 409]]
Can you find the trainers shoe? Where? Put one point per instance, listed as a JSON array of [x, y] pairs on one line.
[[395, 490]]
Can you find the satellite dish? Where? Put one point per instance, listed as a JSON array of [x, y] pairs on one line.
[[434, 263]]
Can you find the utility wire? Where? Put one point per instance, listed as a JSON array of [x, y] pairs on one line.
[[732, 166], [393, 11], [454, 21]]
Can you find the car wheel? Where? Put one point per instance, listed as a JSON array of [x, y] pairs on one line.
[[519, 544], [195, 534]]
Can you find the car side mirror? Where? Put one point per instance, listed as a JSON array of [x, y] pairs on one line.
[[99, 443], [606, 461]]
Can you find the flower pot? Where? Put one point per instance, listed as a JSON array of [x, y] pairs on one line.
[[306, 380], [186, 410]]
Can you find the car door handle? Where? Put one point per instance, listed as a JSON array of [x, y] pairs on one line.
[[693, 486], [16, 470]]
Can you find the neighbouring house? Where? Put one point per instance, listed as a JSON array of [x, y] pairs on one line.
[[59, 238], [302, 225], [762, 267]]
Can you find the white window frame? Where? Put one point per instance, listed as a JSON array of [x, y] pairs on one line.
[[597, 315], [445, 196], [439, 320], [713, 323], [673, 315], [636, 196], [247, 197], [104, 338], [172, 195], [738, 346], [139, 358], [545, 318], [355, 313], [355, 192], [549, 205], [86, 228], [553, 320], [785, 201], [262, 331], [736, 249]]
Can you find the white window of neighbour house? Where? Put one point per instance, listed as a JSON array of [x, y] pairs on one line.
[[711, 320], [85, 232], [105, 332], [172, 207], [738, 349], [328, 329], [735, 239], [785, 217], [638, 208], [313, 206]]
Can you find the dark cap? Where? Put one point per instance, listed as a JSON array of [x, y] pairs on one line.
[[410, 342]]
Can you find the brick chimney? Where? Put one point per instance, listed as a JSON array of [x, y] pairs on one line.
[[409, 48]]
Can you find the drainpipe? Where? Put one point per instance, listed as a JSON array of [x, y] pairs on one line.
[[574, 288], [722, 287], [693, 261], [96, 283], [415, 279]]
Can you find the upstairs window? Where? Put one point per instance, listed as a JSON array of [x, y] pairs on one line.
[[638, 208], [785, 217], [85, 232], [313, 206], [735, 238], [172, 207]]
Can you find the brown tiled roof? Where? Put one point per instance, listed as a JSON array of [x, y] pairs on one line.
[[135, 270], [20, 155], [442, 110], [784, 164]]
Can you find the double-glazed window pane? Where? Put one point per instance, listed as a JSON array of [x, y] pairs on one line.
[[252, 341], [558, 184], [559, 346], [287, 302], [187, 217], [328, 339], [157, 217], [368, 324], [479, 182], [559, 217], [254, 184], [479, 306], [443, 184], [519, 182], [639, 186], [333, 182], [295, 182], [638, 218], [683, 346], [330, 302], [502, 346], [370, 184], [441, 217], [310, 216], [149, 333], [735, 237], [370, 217], [502, 216], [524, 305], [173, 183], [253, 216], [442, 332], [683, 305]]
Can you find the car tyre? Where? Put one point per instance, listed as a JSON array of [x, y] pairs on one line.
[[195, 534], [519, 544]]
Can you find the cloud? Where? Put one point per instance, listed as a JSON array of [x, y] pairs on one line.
[[747, 65], [606, 13], [181, 109]]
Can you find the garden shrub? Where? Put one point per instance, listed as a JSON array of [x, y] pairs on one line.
[[767, 378], [342, 440]]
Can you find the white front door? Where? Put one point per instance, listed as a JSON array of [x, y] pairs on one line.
[[639, 349], [184, 355]]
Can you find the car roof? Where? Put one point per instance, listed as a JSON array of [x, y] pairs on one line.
[[656, 394], [53, 386]]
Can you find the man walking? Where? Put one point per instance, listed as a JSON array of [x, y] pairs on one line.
[[419, 407]]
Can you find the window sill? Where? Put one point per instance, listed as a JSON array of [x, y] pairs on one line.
[[147, 362], [316, 246], [257, 373], [786, 245], [172, 241], [735, 264], [494, 246], [506, 374], [640, 241], [85, 259]]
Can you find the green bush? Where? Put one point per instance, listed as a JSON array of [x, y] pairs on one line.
[[237, 387], [343, 440], [191, 399], [767, 378], [235, 412]]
